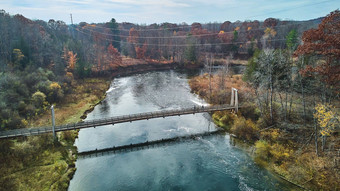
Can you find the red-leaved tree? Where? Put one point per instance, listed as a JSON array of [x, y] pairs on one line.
[[324, 43]]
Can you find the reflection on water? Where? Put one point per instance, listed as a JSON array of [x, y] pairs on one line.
[[209, 163]]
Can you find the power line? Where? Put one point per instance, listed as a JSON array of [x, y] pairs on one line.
[[189, 26], [291, 8], [184, 36], [171, 45], [127, 30]]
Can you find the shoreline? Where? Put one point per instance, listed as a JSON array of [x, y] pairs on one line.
[[303, 169]]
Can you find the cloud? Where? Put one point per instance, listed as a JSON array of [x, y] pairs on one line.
[[164, 3], [177, 11]]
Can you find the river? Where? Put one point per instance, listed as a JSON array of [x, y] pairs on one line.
[[209, 163]]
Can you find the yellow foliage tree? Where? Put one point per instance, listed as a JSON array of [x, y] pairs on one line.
[[269, 32], [327, 119], [54, 86], [18, 56]]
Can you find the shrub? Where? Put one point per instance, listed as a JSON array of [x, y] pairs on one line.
[[270, 135], [223, 118], [279, 153], [262, 151], [38, 99], [251, 111], [245, 129], [55, 92], [68, 136]]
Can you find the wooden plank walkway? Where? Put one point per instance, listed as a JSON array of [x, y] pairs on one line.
[[112, 120]]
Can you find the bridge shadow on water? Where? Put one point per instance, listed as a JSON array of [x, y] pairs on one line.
[[144, 145]]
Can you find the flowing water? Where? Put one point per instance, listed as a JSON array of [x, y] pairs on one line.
[[209, 163]]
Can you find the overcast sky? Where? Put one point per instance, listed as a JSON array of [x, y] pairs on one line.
[[175, 11]]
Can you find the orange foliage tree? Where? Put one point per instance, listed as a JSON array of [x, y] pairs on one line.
[[113, 57], [133, 36], [140, 51], [72, 60]]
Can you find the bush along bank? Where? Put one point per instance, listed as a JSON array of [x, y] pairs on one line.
[[284, 147], [38, 162]]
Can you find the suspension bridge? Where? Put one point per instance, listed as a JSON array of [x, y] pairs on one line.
[[119, 119]]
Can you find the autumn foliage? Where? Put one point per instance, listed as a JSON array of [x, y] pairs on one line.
[[323, 43], [113, 57], [220, 93]]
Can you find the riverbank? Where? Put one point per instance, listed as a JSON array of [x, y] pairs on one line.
[[132, 66], [284, 148], [36, 163]]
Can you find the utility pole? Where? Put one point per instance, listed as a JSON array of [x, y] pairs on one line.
[[71, 19], [71, 28]]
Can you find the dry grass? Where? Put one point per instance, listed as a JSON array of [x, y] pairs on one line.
[[127, 61], [233, 61], [221, 92]]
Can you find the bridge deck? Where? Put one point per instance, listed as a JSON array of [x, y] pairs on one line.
[[112, 121]]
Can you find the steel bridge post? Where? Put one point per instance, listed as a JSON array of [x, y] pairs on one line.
[[53, 123], [234, 98]]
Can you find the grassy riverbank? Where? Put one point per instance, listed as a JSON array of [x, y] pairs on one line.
[[37, 163], [285, 148]]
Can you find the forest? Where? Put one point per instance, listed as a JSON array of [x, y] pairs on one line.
[[291, 78], [39, 60]]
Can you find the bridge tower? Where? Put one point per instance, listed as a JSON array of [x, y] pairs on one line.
[[234, 98], [53, 123]]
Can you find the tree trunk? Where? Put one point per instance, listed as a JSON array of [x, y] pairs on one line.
[[286, 108], [259, 101], [303, 102], [282, 106], [290, 105], [323, 142], [271, 101], [316, 132]]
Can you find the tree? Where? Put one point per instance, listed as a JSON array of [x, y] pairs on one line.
[[292, 40], [265, 76], [72, 60], [269, 33], [190, 53], [18, 57], [55, 92], [38, 99], [323, 43], [140, 51], [327, 119], [235, 46], [113, 25], [113, 57]]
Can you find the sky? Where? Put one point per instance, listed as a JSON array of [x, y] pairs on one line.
[[173, 11]]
